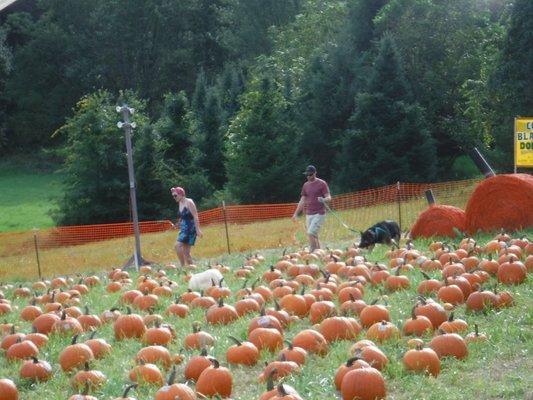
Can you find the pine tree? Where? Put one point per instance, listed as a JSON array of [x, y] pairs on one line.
[[331, 83], [388, 139], [263, 163], [152, 193], [173, 138], [96, 175], [209, 141]]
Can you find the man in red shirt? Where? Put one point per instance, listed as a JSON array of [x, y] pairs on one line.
[[314, 195]]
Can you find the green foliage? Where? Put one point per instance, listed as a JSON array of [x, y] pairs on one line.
[[96, 188], [510, 84], [388, 139], [444, 44], [466, 63], [263, 163], [173, 138], [152, 193], [250, 22], [330, 84], [5, 68]]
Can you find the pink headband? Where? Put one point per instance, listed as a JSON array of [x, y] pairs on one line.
[[177, 191]]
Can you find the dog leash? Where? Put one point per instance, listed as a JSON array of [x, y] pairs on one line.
[[338, 218]]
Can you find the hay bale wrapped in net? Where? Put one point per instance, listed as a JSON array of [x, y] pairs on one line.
[[439, 220], [501, 201]]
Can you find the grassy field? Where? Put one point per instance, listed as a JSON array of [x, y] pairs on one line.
[[26, 197], [498, 369]]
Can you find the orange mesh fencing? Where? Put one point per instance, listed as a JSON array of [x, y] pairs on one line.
[[402, 202]]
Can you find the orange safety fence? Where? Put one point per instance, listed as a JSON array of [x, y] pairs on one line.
[[402, 202]]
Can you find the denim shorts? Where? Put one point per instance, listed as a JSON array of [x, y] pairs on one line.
[[314, 223]]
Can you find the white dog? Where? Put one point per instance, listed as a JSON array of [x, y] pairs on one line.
[[204, 280]]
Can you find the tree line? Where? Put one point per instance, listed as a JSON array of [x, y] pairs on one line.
[[234, 97]]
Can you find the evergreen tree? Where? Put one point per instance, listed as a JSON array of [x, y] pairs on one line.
[[263, 163], [209, 141], [228, 88], [5, 68], [388, 139], [173, 138], [511, 85], [153, 195], [331, 83], [200, 92], [96, 175]]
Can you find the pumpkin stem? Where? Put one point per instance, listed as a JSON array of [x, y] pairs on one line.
[[172, 376], [262, 311], [35, 360], [289, 344], [254, 283], [282, 357], [270, 379], [351, 360], [450, 318], [426, 276], [276, 305], [93, 333], [220, 282], [128, 388], [128, 310], [195, 327], [86, 366], [203, 352], [476, 330], [74, 339], [237, 341], [215, 362], [413, 314]]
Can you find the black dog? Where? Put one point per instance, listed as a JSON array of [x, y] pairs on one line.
[[387, 232]]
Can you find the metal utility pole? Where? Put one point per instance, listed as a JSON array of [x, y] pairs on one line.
[[128, 126]]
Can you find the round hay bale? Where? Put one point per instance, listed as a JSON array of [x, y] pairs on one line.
[[438, 220], [501, 201]]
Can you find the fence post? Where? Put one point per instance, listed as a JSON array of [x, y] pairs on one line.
[[399, 205], [429, 197], [35, 230], [226, 224]]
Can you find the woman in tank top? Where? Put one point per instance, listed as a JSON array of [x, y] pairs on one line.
[[189, 225]]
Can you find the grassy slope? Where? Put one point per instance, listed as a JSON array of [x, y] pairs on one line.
[[26, 196], [499, 369]]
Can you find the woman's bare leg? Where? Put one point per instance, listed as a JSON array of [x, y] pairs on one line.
[[187, 254], [180, 252]]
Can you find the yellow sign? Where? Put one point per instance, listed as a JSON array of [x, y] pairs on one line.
[[523, 142]]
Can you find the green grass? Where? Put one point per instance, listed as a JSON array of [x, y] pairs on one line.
[[498, 369], [26, 198]]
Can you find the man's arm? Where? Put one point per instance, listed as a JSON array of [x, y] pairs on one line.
[[299, 208]]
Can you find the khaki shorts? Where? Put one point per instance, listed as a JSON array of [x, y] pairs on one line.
[[314, 222]]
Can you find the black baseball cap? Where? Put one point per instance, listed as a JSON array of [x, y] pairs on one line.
[[311, 169]]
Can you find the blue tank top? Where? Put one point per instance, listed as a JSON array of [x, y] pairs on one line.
[[186, 220]]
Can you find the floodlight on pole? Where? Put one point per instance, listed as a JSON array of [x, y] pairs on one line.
[[128, 126]]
